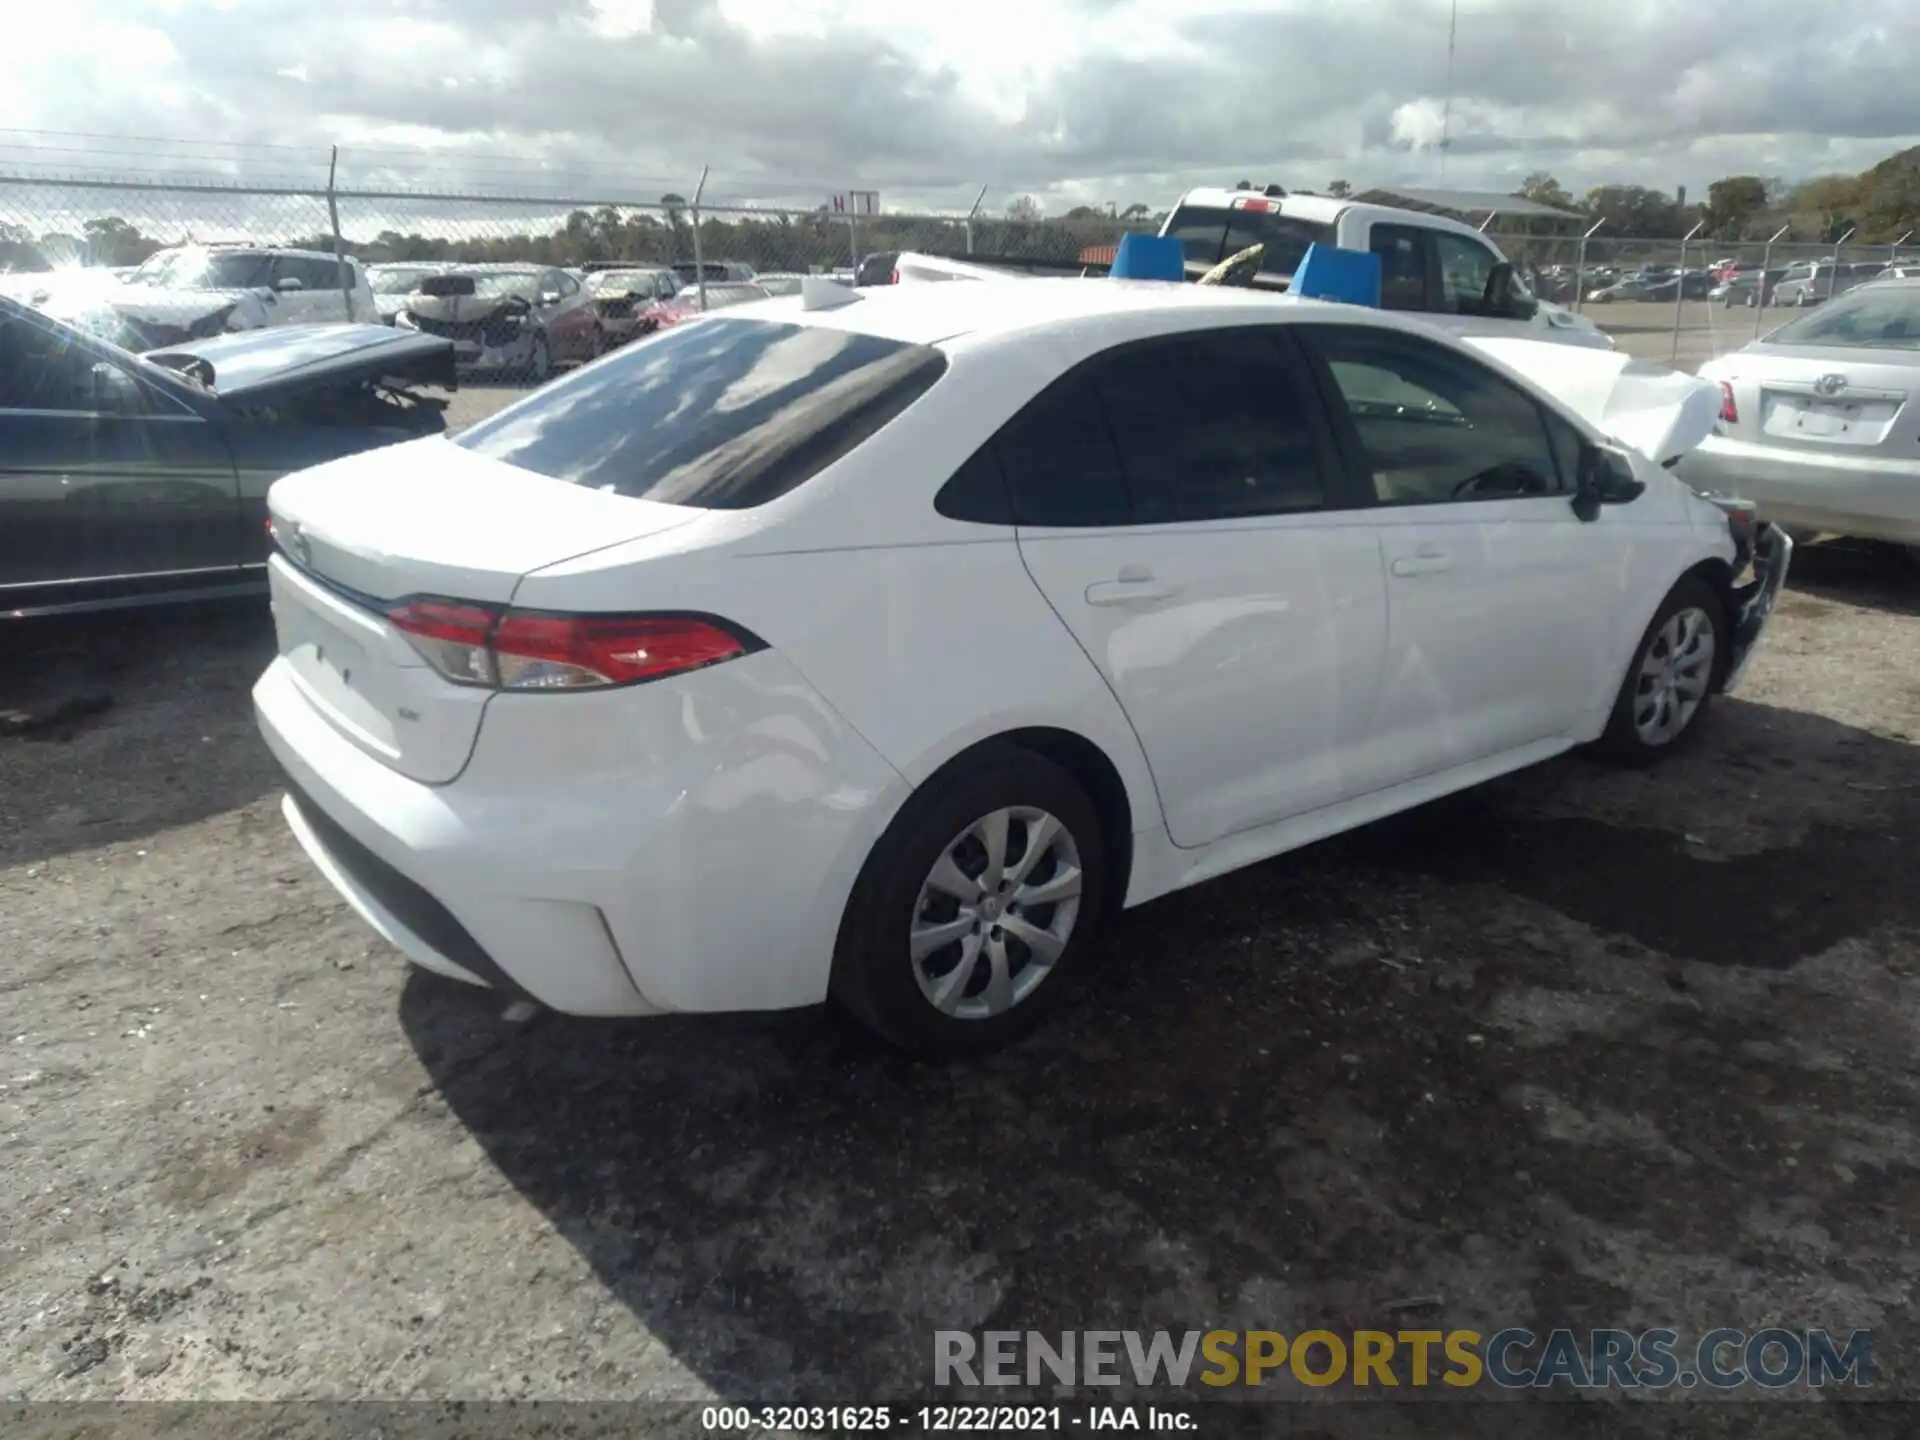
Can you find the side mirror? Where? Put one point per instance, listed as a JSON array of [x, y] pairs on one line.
[[1606, 478], [115, 392], [287, 283]]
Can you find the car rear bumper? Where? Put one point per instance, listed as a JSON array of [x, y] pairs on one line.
[[1869, 499], [686, 845]]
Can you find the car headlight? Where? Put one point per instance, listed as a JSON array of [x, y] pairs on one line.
[[406, 321]]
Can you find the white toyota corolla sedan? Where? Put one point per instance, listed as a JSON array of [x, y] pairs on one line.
[[880, 646]]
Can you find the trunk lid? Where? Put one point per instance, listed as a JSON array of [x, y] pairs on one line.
[[1857, 402], [422, 518], [1658, 411]]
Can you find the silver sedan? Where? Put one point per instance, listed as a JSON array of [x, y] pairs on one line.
[[1820, 420]]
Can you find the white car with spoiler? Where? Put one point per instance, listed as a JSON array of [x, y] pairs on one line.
[[881, 645]]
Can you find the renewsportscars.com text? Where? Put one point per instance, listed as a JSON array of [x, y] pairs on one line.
[[1511, 1359]]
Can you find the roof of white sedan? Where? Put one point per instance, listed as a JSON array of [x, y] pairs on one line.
[[930, 313]]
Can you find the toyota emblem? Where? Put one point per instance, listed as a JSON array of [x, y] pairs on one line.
[[1829, 384]]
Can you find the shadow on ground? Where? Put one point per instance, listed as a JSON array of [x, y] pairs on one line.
[[136, 721], [1529, 1057], [1877, 577]]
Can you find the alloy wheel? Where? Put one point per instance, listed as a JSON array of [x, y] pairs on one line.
[[1674, 676], [995, 912]]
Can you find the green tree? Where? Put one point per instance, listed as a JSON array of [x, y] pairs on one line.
[[1542, 189], [112, 241], [1734, 202], [1636, 210], [1025, 210], [1339, 189]]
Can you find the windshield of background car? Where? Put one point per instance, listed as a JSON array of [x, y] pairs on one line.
[[203, 270], [498, 284], [1209, 234], [723, 415], [1873, 317], [622, 282], [396, 282]]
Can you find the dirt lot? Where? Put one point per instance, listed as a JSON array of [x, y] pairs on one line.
[[1584, 1048]]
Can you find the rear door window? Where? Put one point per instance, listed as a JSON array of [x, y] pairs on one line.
[[1060, 462], [724, 415], [1212, 427]]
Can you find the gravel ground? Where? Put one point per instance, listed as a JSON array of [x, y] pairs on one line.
[[1582, 1048]]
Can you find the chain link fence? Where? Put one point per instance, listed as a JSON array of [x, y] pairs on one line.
[[59, 238]]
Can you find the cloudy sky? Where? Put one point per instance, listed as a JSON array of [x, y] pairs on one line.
[[927, 100]]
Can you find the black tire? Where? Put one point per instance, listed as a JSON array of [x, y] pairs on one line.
[[874, 974], [1623, 743], [539, 367]]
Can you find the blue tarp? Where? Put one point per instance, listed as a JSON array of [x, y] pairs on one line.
[[1329, 273], [1149, 257]]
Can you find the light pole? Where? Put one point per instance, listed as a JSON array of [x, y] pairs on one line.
[[1760, 289], [1680, 290], [1580, 268]]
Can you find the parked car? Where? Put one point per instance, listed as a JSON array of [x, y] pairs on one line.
[[127, 480], [946, 620], [517, 321], [625, 299], [1820, 421], [720, 272], [686, 305], [1749, 287], [876, 268], [393, 283], [1810, 282], [1622, 291], [195, 291]]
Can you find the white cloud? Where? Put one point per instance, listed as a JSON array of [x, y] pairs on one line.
[[1077, 100]]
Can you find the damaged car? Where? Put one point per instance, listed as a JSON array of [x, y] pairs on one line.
[[625, 299], [394, 284], [973, 614], [515, 321], [192, 292], [133, 479]]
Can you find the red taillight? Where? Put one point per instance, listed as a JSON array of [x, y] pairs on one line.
[[1729, 412], [1261, 205], [534, 650], [574, 652]]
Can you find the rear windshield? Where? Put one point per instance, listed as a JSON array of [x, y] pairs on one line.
[[723, 415], [1209, 234], [1874, 317]]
